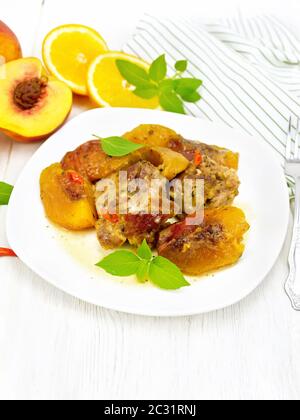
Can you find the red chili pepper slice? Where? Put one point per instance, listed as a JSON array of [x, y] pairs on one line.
[[198, 158], [6, 252], [75, 177], [112, 218]]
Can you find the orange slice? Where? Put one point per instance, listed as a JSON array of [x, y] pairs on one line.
[[107, 87], [68, 52]]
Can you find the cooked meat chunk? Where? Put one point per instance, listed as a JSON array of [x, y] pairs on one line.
[[137, 221], [216, 243], [110, 232], [91, 162], [116, 231], [189, 149], [221, 184], [73, 185], [223, 157]]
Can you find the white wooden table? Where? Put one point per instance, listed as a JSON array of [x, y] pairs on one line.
[[53, 346]]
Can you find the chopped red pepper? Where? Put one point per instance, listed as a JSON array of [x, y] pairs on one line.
[[6, 252], [75, 177], [197, 158], [112, 218]]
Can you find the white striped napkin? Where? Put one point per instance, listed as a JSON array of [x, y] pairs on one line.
[[250, 69]]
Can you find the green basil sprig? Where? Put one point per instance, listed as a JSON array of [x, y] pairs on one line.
[[5, 193], [160, 271], [172, 92], [118, 146]]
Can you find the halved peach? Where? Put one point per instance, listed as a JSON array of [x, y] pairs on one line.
[[32, 104], [10, 48]]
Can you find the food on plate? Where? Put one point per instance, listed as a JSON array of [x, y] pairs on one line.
[[32, 105], [216, 243], [68, 52], [68, 198], [126, 194], [216, 166], [10, 48], [157, 135], [192, 150], [114, 229], [221, 184], [168, 162], [152, 135], [107, 87], [220, 155], [92, 162]]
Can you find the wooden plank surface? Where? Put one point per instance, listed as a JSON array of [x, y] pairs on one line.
[[53, 346]]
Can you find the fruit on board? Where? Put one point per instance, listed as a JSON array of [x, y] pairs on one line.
[[68, 52], [107, 87], [32, 104]]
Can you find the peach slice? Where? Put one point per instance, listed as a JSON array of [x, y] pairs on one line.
[[10, 48], [32, 104]]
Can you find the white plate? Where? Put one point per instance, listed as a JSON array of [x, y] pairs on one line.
[[68, 260]]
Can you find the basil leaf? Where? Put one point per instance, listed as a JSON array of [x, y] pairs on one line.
[[162, 272], [120, 263], [171, 102], [5, 193], [172, 92], [166, 275], [158, 69], [181, 65], [144, 251], [143, 271], [119, 146], [167, 84], [134, 74], [146, 92], [191, 97], [182, 85]]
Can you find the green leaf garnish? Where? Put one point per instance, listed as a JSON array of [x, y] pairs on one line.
[[186, 85], [158, 69], [181, 66], [171, 102], [120, 263], [166, 275], [167, 85], [5, 193], [147, 92], [134, 74], [191, 97], [172, 92], [160, 271], [142, 273], [144, 251], [118, 146]]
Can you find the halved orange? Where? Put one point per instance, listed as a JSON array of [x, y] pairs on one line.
[[68, 52], [107, 87]]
